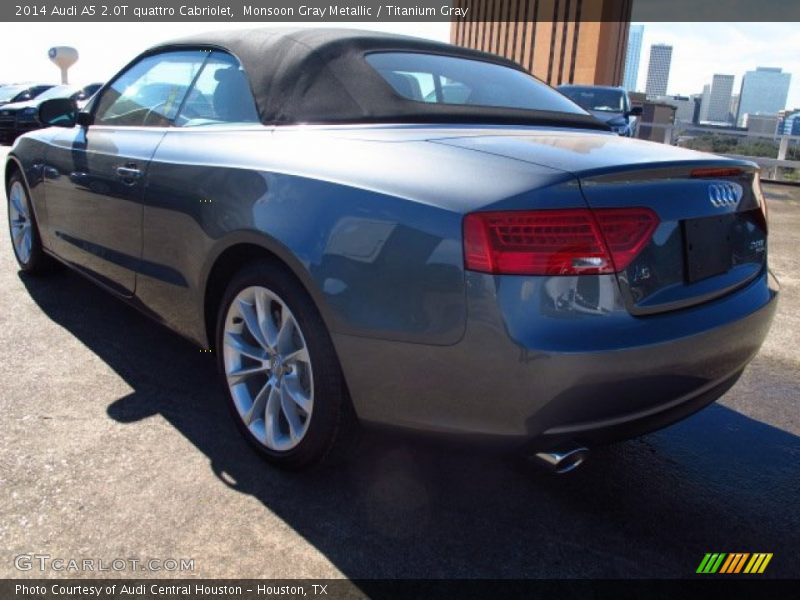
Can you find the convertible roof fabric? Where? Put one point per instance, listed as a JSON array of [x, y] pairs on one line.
[[321, 76]]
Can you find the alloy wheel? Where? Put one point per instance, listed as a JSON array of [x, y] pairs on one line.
[[268, 368], [20, 222]]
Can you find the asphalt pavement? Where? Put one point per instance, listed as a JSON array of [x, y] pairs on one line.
[[116, 443]]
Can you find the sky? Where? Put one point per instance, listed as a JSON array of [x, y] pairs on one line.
[[699, 49]]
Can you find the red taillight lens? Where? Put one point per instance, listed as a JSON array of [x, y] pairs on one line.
[[626, 231], [762, 200], [716, 172], [556, 242]]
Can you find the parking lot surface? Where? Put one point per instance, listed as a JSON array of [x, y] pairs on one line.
[[116, 443]]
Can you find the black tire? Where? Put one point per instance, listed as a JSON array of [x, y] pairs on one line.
[[333, 428], [38, 262]]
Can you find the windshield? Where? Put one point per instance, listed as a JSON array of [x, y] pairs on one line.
[[59, 91], [437, 79], [596, 98], [7, 93]]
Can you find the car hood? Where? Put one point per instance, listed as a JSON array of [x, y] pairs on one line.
[[15, 106], [580, 153]]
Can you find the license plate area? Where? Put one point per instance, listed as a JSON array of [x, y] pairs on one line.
[[708, 246]]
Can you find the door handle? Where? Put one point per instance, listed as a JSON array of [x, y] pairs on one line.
[[129, 173]]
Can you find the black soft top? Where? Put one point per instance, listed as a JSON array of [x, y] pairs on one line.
[[321, 76]]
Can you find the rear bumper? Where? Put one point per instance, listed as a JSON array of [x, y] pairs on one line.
[[540, 364]]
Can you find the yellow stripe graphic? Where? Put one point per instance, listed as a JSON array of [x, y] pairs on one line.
[[765, 563], [753, 565]]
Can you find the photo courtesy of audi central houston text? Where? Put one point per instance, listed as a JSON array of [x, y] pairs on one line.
[[369, 258]]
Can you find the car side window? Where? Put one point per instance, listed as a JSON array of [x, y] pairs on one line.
[[150, 93], [221, 94], [439, 79]]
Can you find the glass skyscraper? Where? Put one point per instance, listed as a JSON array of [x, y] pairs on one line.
[[632, 56], [764, 91]]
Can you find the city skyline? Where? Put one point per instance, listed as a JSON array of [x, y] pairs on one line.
[[697, 53]]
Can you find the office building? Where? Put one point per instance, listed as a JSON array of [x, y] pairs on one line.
[[704, 99], [761, 124], [658, 70], [763, 92], [559, 42], [719, 99], [791, 124], [684, 107], [733, 110], [632, 56], [697, 99]]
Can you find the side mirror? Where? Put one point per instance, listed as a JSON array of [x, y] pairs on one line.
[[85, 119], [58, 112], [635, 111]]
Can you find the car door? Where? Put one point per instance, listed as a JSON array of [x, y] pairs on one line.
[[95, 175], [192, 195]]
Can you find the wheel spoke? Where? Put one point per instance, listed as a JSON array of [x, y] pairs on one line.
[[16, 199], [271, 421], [289, 408], [248, 313], [292, 390], [259, 406], [237, 342], [264, 318], [243, 373], [299, 355], [286, 330], [17, 233], [25, 248]]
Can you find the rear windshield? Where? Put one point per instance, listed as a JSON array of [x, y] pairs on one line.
[[438, 79]]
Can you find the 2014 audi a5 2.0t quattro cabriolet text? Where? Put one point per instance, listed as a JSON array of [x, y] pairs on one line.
[[369, 228]]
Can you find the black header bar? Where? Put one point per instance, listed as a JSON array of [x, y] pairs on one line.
[[336, 11]]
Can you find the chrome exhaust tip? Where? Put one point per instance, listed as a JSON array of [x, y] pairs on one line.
[[562, 461]]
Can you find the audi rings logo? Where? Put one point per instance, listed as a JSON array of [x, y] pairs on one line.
[[724, 194]]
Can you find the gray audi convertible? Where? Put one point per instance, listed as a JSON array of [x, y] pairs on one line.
[[375, 229]]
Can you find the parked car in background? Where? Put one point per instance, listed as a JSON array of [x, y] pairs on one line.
[[609, 104], [17, 118], [21, 92], [86, 93], [420, 235]]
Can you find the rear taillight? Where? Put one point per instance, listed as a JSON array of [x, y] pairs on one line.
[[716, 172], [556, 242], [762, 200]]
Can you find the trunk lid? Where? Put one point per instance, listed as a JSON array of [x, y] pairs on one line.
[[711, 238]]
